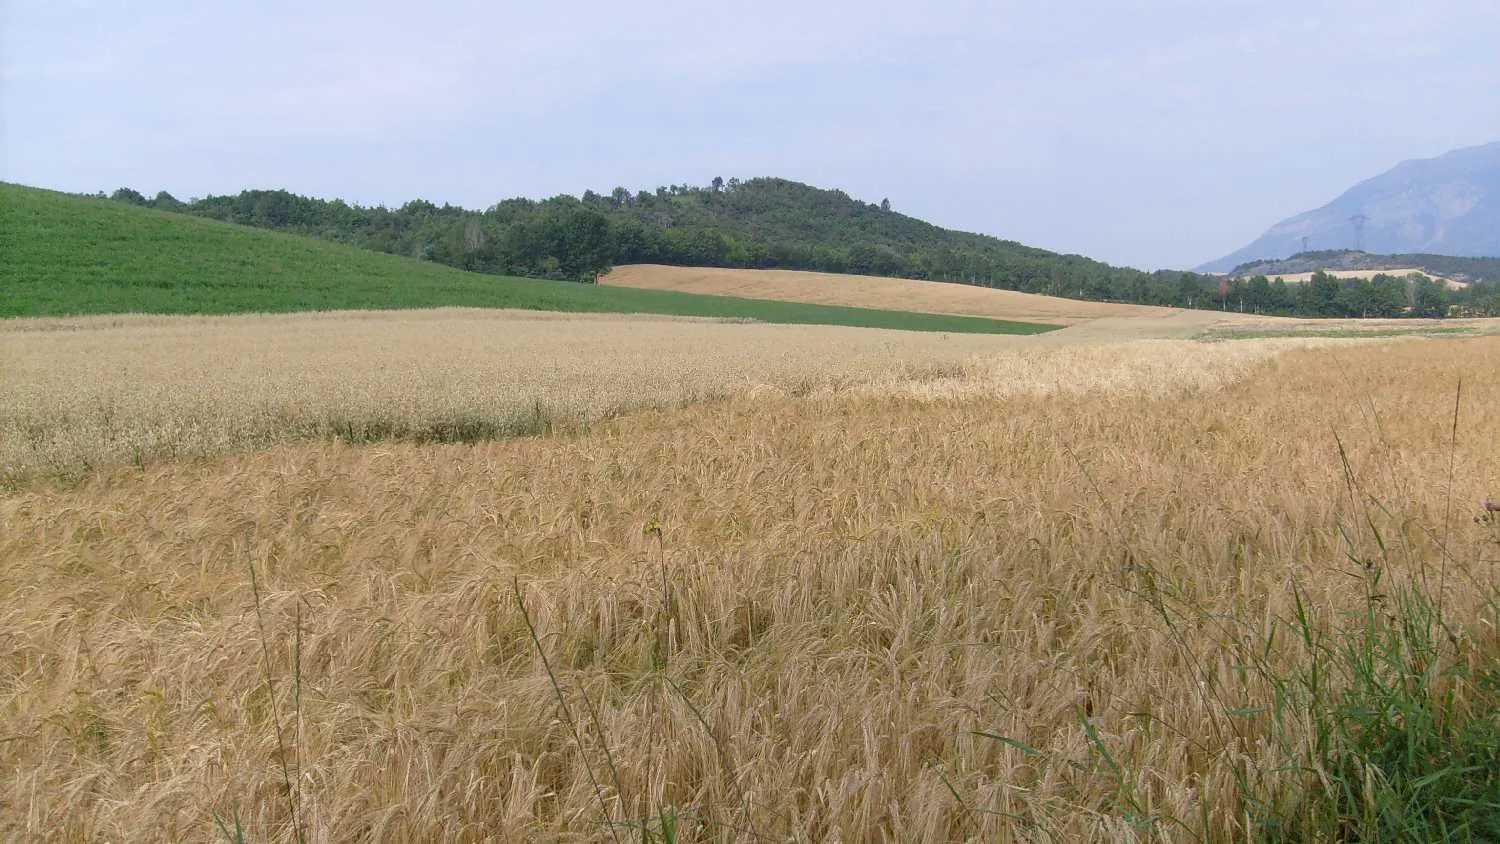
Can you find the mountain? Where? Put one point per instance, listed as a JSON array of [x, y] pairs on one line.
[[1449, 205]]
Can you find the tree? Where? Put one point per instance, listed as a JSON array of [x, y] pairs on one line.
[[166, 202], [885, 205], [1190, 292], [133, 197], [1320, 295], [1283, 300], [1258, 296], [1429, 299], [417, 208], [1387, 296], [1355, 298], [718, 184], [474, 246], [584, 244]]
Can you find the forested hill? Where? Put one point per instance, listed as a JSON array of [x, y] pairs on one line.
[[759, 223]]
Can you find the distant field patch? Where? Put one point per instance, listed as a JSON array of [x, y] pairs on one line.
[[936, 297], [1303, 278]]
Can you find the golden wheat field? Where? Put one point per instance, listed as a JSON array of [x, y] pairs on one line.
[[99, 391], [873, 292], [886, 587], [90, 392]]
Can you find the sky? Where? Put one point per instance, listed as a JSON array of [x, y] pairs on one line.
[[1150, 133]]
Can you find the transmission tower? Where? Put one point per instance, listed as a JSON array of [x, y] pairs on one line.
[[1359, 221], [1304, 243]]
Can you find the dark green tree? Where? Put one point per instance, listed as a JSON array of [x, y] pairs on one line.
[[1387, 296], [1429, 299], [133, 197], [166, 202], [1320, 295]]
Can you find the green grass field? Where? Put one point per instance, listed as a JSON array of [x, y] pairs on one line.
[[64, 255]]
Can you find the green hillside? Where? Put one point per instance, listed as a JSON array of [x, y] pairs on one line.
[[67, 255]]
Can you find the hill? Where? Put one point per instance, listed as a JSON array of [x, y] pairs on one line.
[[871, 292], [1449, 205], [766, 224], [66, 255], [762, 223]]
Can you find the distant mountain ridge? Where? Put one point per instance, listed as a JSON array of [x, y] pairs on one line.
[[1448, 205]]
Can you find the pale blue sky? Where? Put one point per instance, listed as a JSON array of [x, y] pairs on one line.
[[1146, 132]]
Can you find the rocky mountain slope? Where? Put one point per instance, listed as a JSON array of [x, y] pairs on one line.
[[1449, 205]]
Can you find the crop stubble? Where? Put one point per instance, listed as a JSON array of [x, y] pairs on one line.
[[873, 292]]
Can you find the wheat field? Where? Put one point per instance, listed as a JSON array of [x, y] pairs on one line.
[[1004, 593], [873, 292], [92, 392], [101, 391]]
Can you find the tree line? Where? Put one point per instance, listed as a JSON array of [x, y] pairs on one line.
[[774, 223], [1325, 295]]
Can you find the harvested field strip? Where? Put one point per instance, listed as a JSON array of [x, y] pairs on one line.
[[851, 618], [872, 292]]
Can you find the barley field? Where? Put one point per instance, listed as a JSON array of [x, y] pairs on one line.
[[872, 292], [1163, 590]]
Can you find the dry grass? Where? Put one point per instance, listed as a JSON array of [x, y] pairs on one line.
[[87, 393], [772, 618], [873, 292]]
